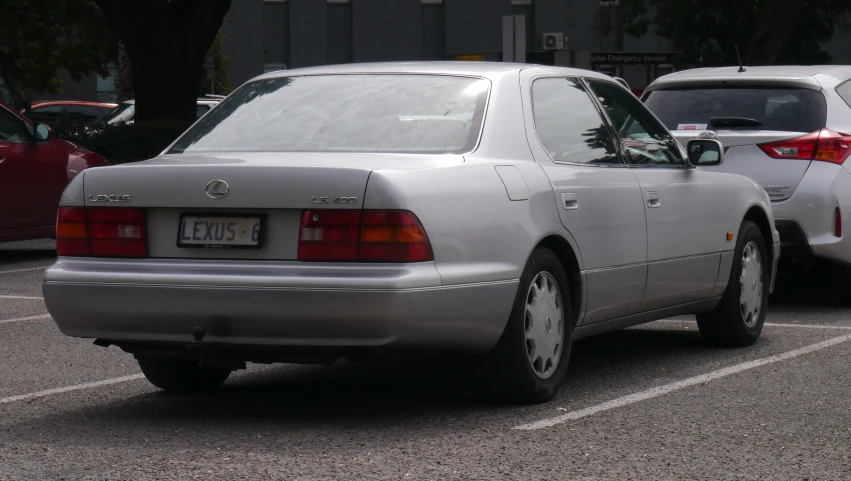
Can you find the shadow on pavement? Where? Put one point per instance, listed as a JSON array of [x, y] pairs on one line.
[[358, 397]]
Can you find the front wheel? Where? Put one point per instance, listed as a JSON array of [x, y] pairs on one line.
[[739, 317], [529, 363]]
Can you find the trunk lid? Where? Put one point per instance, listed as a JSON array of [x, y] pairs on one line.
[[742, 155], [276, 187]]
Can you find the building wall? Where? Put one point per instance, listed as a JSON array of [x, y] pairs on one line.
[[266, 35]]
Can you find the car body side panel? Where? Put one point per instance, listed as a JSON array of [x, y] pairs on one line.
[[608, 226], [476, 232]]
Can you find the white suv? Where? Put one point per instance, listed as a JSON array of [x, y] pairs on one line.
[[789, 129]]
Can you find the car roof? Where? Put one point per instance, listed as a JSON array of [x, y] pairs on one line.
[[201, 101], [807, 76], [477, 69], [73, 102]]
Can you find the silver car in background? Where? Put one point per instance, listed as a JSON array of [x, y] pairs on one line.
[[366, 211], [788, 128]]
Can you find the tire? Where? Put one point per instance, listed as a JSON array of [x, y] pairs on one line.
[[738, 319], [509, 370], [182, 376]]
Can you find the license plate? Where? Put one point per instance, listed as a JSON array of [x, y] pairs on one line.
[[219, 231]]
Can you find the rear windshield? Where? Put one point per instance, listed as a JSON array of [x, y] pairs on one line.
[[781, 109], [345, 113], [122, 113]]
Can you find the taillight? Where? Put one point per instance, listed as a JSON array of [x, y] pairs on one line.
[[824, 145], [72, 238], [365, 236], [329, 235], [102, 232]]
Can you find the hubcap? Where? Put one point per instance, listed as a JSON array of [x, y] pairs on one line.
[[544, 325], [750, 299]]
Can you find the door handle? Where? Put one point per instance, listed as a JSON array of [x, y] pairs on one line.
[[569, 201], [653, 201], [2, 159]]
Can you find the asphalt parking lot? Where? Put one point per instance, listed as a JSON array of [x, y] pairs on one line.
[[650, 402]]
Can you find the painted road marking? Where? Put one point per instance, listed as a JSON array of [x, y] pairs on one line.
[[77, 387], [24, 270], [30, 318], [676, 386], [22, 297], [770, 324]]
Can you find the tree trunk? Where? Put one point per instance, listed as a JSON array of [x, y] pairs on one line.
[[166, 41], [124, 76]]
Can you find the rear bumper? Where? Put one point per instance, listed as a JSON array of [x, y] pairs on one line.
[[806, 221], [274, 304]]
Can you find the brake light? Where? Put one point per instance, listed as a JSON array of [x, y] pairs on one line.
[[823, 145], [366, 236], [72, 238], [102, 232]]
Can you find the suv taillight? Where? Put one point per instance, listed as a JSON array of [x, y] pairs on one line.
[[823, 145], [362, 236], [101, 232]]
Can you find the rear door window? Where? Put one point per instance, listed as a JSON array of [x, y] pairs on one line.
[[49, 114], [83, 113], [844, 91], [772, 108], [568, 124]]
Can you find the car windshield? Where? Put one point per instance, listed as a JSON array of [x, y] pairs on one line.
[[122, 113], [345, 113], [779, 109]]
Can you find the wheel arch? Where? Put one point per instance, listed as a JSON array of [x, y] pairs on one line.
[[757, 215], [570, 263]]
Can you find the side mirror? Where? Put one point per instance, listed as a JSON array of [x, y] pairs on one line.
[[705, 152], [41, 132]]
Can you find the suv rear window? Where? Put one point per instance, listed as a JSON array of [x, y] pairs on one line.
[[345, 113], [779, 109], [844, 91]]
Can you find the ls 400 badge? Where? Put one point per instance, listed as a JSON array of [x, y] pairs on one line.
[[337, 200], [109, 198]]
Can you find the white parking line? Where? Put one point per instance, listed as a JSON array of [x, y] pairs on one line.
[[771, 324], [24, 270], [22, 297], [49, 392], [30, 318], [676, 386]]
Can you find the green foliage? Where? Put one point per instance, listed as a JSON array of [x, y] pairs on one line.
[[766, 32], [219, 60], [38, 38], [123, 143]]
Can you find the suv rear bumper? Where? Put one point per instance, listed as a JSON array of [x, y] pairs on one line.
[[806, 221], [274, 304]]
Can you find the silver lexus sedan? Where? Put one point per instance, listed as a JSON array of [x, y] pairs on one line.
[[492, 210], [788, 128]]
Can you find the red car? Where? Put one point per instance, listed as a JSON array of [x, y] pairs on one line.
[[56, 112], [34, 171]]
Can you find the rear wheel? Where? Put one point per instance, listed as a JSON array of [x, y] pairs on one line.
[[529, 363], [183, 376], [739, 317]]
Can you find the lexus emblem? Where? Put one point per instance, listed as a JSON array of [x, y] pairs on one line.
[[217, 189]]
